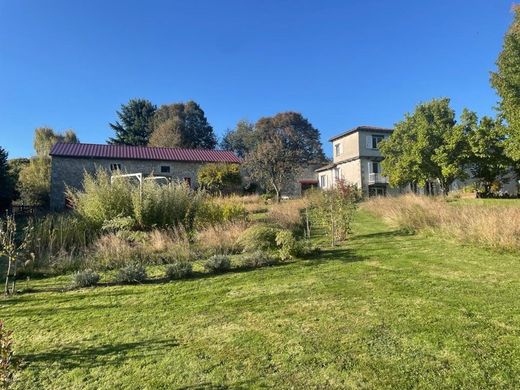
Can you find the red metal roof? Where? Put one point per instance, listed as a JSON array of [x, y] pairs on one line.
[[125, 152]]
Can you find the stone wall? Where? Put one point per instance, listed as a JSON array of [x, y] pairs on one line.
[[68, 171]]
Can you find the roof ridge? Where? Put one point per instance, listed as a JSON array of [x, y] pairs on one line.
[[142, 146]]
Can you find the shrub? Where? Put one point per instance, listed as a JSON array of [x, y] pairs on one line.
[[217, 263], [258, 259], [8, 363], [287, 244], [258, 237], [334, 209], [213, 212], [118, 224], [133, 273], [85, 278], [178, 270], [220, 178]]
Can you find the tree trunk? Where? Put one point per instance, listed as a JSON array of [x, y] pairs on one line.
[[7, 277], [308, 225], [332, 226]]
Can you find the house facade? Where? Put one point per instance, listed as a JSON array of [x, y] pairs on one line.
[[357, 160], [70, 161]]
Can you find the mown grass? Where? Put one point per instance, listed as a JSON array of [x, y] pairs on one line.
[[389, 310]]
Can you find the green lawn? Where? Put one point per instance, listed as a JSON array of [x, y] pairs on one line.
[[389, 310]]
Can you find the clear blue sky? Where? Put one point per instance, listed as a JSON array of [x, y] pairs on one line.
[[71, 64]]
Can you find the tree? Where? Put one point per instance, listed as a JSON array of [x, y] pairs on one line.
[[425, 146], [45, 138], [13, 249], [241, 140], [135, 123], [296, 134], [34, 177], [167, 133], [219, 177], [188, 124], [488, 160], [272, 165], [506, 81], [7, 183], [284, 143]]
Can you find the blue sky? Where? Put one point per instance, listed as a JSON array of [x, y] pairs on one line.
[[71, 64]]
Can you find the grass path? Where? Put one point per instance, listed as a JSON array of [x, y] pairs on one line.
[[389, 310]]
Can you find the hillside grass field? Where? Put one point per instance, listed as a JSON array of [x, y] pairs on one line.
[[386, 310]]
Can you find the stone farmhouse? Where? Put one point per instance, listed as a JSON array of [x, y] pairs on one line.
[[70, 161], [357, 160]]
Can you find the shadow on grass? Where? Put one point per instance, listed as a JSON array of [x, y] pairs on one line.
[[340, 253], [70, 357], [382, 235]]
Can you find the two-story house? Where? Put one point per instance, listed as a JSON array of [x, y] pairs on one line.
[[357, 160]]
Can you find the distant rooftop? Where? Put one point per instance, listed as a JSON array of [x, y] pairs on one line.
[[125, 152], [365, 128]]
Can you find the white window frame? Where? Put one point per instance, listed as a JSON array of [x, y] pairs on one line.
[[337, 174], [338, 149], [323, 181]]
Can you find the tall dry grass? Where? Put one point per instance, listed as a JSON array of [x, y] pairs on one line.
[[287, 214], [492, 226], [221, 239]]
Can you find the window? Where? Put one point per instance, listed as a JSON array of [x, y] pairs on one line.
[[187, 180], [323, 181], [337, 174], [375, 140], [115, 167], [337, 149], [375, 167], [165, 169]]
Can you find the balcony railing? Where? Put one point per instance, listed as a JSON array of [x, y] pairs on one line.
[[377, 178]]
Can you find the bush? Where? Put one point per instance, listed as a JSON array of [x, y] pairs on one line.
[[258, 259], [258, 237], [334, 209], [215, 211], [178, 270], [287, 244], [133, 273], [220, 178], [85, 278], [217, 263]]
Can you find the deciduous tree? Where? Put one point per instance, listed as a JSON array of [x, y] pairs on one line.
[[506, 81], [241, 140], [34, 177], [188, 123], [426, 145]]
